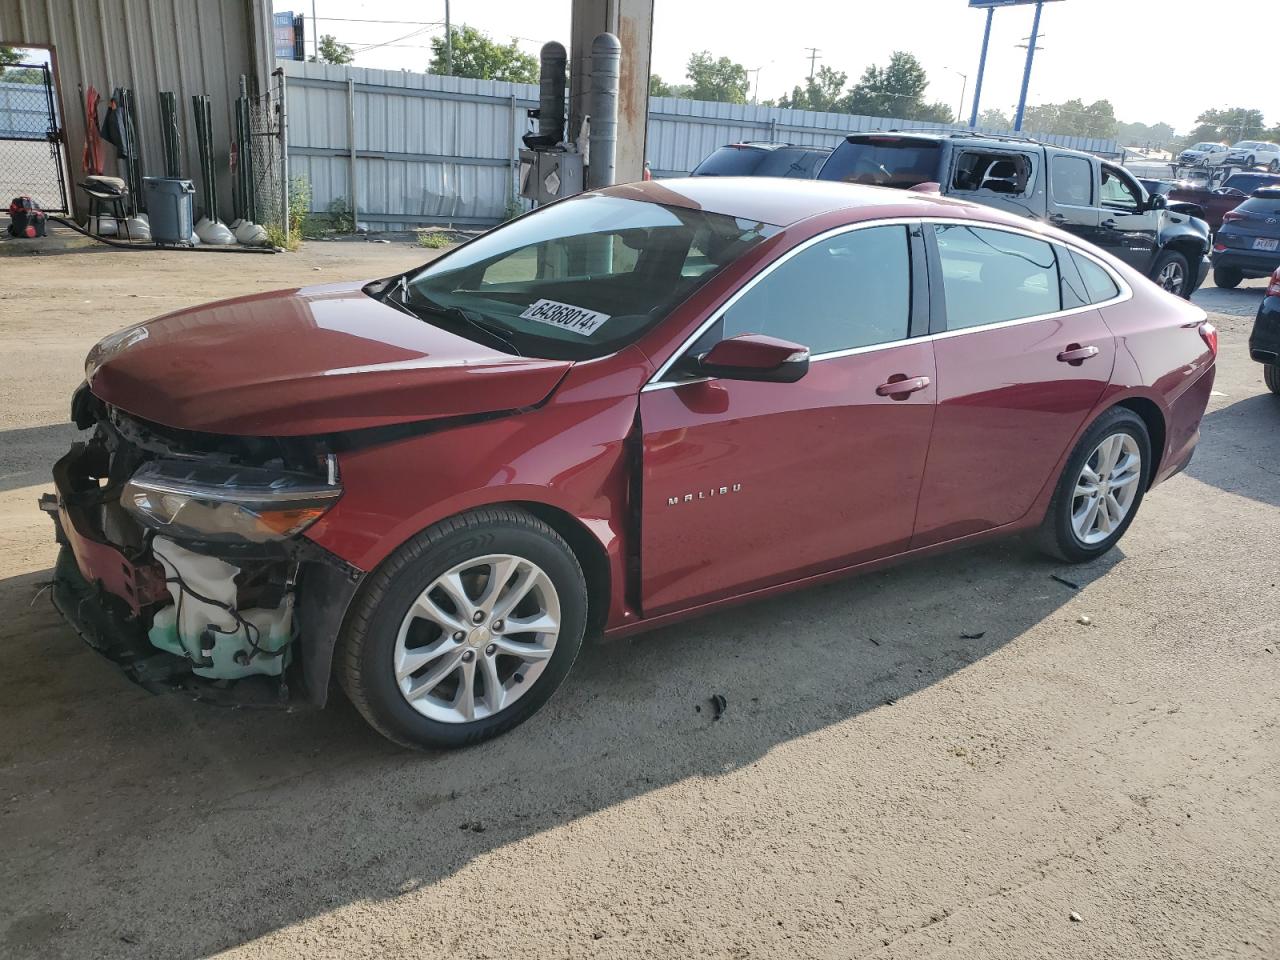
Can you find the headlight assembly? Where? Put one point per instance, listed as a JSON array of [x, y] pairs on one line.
[[215, 502]]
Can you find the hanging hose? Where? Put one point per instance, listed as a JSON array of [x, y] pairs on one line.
[[72, 225]]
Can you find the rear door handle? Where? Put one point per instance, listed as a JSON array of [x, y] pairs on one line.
[[900, 386], [1076, 354], [1057, 218]]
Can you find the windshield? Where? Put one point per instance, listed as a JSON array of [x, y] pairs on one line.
[[579, 279], [884, 162], [1204, 146]]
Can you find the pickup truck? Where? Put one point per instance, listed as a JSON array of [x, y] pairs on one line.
[[1217, 201], [1098, 201]]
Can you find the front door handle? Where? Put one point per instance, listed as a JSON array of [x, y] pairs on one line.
[[1076, 354], [1108, 224], [900, 386], [1057, 218]]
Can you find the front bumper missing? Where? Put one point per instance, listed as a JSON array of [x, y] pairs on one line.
[[109, 594]]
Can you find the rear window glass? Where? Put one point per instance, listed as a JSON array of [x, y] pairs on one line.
[[790, 162], [1071, 180], [1265, 203], [1008, 173], [731, 162], [1249, 182], [989, 276], [885, 162], [1097, 282]]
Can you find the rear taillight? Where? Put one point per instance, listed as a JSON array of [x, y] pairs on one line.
[[1231, 216], [1219, 247], [1209, 334], [1273, 288]]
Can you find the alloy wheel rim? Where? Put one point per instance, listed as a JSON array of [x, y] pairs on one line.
[[1106, 488], [476, 640], [1171, 277]]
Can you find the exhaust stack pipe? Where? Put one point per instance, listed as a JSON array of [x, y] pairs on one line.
[[551, 91], [606, 54]]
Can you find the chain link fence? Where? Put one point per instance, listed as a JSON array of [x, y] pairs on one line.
[[30, 145], [263, 177]]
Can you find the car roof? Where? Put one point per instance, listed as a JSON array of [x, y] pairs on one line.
[[782, 202], [773, 145]]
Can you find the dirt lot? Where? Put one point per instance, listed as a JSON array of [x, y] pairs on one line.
[[879, 786]]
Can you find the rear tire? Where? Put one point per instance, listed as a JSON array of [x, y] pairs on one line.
[[1271, 376], [1274, 166], [1172, 273], [423, 684], [1227, 278], [1070, 532]]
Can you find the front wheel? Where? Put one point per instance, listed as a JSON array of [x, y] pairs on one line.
[[1271, 376], [1100, 489], [1274, 166], [1172, 272], [465, 631]]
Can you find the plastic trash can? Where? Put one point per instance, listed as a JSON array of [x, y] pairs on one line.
[[169, 208]]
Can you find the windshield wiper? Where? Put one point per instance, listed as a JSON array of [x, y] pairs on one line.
[[466, 316]]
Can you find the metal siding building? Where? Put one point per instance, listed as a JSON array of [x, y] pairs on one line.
[[185, 46]]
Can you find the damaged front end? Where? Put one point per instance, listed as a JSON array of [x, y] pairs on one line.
[[182, 558]]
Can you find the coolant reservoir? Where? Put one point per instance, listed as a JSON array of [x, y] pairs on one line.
[[180, 629]]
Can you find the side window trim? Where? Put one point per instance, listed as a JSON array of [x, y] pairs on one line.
[[658, 379]]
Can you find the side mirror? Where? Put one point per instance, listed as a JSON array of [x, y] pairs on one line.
[[1157, 201], [754, 356]]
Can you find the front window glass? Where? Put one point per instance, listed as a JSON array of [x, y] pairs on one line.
[[989, 276], [1117, 192], [581, 278], [851, 290]]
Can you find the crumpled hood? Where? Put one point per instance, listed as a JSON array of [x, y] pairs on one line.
[[319, 359]]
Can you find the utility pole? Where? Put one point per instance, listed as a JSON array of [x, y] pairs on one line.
[[813, 58], [1026, 73], [448, 42], [982, 68], [315, 32], [755, 93]]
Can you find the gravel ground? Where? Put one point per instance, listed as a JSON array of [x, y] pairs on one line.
[[879, 786]]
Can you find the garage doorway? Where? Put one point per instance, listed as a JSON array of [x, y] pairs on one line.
[[32, 156]]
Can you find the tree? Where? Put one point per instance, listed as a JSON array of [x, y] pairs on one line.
[[329, 50], [478, 57], [1073, 119], [895, 90], [994, 119], [822, 92], [1230, 125], [9, 56], [659, 87], [721, 80], [1159, 135]]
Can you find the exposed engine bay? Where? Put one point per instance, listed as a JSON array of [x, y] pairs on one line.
[[181, 557]]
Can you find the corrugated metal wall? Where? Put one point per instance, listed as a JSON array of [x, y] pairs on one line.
[[433, 149], [430, 148], [187, 46]]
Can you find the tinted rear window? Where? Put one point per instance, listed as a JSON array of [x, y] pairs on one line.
[[790, 162], [731, 162], [1249, 182], [1265, 205], [885, 162]]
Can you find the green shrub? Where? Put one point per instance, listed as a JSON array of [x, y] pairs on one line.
[[434, 239]]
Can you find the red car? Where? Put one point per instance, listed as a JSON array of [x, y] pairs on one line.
[[626, 408]]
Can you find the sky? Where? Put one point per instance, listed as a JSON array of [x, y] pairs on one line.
[[1155, 60]]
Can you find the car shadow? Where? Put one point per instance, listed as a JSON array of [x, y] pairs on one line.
[[21, 448], [1239, 449], [118, 804]]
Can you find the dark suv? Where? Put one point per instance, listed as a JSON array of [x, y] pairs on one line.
[[1248, 243], [1096, 200], [759, 158]]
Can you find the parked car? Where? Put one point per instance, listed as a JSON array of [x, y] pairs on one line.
[[1097, 201], [1203, 154], [1248, 245], [1217, 201], [763, 159], [1255, 153], [1264, 342], [627, 408]]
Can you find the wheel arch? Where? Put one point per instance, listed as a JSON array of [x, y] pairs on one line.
[[591, 554], [1153, 419]]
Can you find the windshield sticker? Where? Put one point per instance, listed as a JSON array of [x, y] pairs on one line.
[[566, 316]]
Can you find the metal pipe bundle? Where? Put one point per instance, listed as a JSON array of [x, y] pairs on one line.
[[170, 138], [202, 106]]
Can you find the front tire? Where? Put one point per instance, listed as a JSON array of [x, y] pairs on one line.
[[465, 631], [1172, 273], [1271, 376], [1227, 278], [1100, 490], [1274, 166]]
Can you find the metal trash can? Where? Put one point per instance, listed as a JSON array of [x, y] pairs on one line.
[[169, 208]]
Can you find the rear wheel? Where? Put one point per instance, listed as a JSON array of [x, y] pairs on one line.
[[465, 631], [1227, 278], [1173, 273], [1100, 489], [1271, 376], [1274, 166]]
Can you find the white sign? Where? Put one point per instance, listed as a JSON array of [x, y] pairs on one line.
[[566, 316]]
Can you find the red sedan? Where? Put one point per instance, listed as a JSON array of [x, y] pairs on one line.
[[626, 408]]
